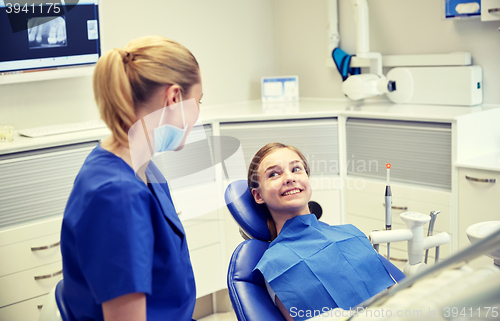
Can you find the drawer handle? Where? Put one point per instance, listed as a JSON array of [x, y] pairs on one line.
[[402, 208], [493, 10], [481, 180], [47, 276], [46, 247]]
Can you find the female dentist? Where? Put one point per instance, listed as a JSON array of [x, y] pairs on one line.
[[124, 250]]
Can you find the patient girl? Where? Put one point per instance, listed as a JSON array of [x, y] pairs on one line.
[[310, 267]]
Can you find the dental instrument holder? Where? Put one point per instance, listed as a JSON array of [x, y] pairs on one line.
[[388, 208], [430, 231], [414, 234]]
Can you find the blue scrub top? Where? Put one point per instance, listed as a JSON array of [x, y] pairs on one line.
[[120, 236]]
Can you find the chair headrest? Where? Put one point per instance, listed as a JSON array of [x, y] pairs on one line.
[[246, 212]]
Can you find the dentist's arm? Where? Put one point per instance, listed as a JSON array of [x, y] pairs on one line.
[[128, 307]]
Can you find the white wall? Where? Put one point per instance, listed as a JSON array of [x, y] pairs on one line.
[[396, 27], [233, 42]]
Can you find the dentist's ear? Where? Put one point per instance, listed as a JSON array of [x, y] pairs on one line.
[[257, 196], [172, 94]]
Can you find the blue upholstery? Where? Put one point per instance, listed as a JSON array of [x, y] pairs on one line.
[[61, 303], [247, 289], [246, 212]]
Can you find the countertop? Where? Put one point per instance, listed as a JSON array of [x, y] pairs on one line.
[[317, 108], [489, 162], [257, 111]]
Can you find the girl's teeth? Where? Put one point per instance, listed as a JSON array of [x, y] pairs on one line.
[[292, 192]]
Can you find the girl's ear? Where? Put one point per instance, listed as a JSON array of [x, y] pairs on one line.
[[257, 197]]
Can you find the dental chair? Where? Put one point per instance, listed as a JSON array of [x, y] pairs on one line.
[[247, 289], [55, 308]]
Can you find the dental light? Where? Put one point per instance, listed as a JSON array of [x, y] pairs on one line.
[[375, 83]]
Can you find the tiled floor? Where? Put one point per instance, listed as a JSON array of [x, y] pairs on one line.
[[228, 316]]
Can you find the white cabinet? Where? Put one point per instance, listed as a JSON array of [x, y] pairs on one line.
[[31, 266], [34, 187], [203, 235], [478, 201]]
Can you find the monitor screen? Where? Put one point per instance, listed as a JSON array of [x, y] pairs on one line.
[[39, 35]]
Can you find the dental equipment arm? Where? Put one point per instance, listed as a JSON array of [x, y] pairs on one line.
[[414, 234], [367, 85]]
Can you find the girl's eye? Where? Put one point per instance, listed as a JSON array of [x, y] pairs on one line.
[[273, 174], [296, 169]]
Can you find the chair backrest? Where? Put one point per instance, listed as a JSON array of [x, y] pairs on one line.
[[61, 303], [55, 308], [246, 212], [247, 289]]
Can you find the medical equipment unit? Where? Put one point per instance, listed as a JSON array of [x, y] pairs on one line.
[[449, 290], [425, 79], [414, 234]]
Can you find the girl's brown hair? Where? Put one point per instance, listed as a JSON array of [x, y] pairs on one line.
[[126, 78], [253, 176]]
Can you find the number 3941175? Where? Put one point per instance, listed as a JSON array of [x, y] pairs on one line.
[[47, 7]]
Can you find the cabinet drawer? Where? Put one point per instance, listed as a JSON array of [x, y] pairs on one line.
[[477, 201], [24, 311], [196, 201], [29, 254], [30, 231], [203, 234], [21, 286], [207, 269]]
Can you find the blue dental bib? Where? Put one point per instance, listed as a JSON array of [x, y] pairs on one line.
[[312, 266]]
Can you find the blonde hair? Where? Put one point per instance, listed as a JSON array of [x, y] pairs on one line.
[[126, 78], [253, 176]]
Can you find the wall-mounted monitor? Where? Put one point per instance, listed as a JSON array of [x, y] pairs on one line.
[[42, 40]]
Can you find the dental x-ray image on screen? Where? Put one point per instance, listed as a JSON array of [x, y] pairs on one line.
[[47, 32]]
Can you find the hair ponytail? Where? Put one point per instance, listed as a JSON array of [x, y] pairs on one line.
[[113, 95]]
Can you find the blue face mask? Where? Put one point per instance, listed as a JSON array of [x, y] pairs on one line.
[[168, 137]]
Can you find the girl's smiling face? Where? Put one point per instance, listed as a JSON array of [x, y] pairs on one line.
[[283, 184]]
